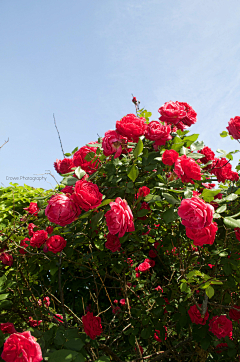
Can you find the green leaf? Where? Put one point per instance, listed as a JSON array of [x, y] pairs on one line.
[[103, 359], [195, 156], [75, 344], [169, 215], [221, 209], [196, 146], [138, 149], [170, 198], [105, 202], [231, 223], [96, 219], [67, 154], [80, 358], [152, 198], [188, 194], [75, 150], [229, 198], [79, 172], [224, 134], [146, 333], [69, 181], [209, 291], [133, 173], [4, 296], [208, 195], [62, 355], [142, 213]]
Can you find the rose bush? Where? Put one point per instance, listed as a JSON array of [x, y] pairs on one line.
[[133, 256]]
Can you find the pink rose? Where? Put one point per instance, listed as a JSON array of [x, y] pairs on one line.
[[195, 315], [169, 157], [144, 266], [234, 127], [120, 218], [38, 238], [202, 236], [56, 243], [112, 143], [32, 208], [158, 132], [87, 195], [195, 213], [122, 301], [64, 166], [187, 169], [220, 326], [113, 243], [143, 191], [21, 347], [7, 328], [92, 325], [6, 259], [61, 210], [131, 127], [79, 159]]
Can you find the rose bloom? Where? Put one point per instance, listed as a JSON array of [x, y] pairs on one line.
[[208, 153], [169, 157], [87, 195], [187, 169], [113, 243], [158, 132], [159, 289], [222, 169], [143, 191], [7, 328], [234, 314], [32, 208], [116, 310], [58, 317], [152, 253], [112, 143], [62, 210], [195, 213], [151, 262], [21, 347], [157, 335], [38, 238], [31, 226], [68, 190], [180, 114], [220, 326], [79, 159], [56, 243], [120, 218], [234, 127], [221, 347], [203, 236], [195, 315], [34, 323], [92, 325], [49, 229], [144, 266], [131, 127], [63, 166], [237, 233], [25, 245], [6, 259], [122, 301]]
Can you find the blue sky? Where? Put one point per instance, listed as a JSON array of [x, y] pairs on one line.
[[82, 60]]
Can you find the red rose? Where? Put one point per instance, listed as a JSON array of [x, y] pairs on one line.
[[143, 191], [21, 347], [169, 157], [220, 326], [152, 253], [172, 112], [237, 233], [49, 229], [92, 325], [233, 176], [46, 301], [120, 218], [113, 243], [195, 213], [79, 159], [112, 143], [234, 314], [158, 132], [56, 243], [151, 262], [68, 190], [25, 245], [134, 100], [202, 236], [157, 335], [222, 169], [234, 127], [191, 115], [7, 328], [116, 310], [58, 317], [87, 195], [131, 127], [61, 210], [34, 323], [221, 347], [122, 301], [64, 166], [187, 169], [32, 208], [209, 155], [6, 259], [31, 226], [38, 238], [195, 315], [144, 266]]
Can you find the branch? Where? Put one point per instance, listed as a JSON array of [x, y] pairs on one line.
[[60, 290], [58, 134], [5, 143]]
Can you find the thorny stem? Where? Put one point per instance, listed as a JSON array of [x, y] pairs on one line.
[[204, 305]]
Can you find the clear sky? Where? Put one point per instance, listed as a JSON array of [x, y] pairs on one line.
[[82, 60]]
